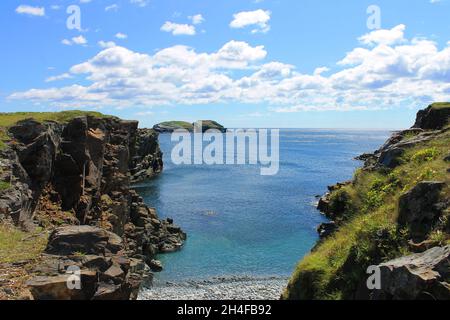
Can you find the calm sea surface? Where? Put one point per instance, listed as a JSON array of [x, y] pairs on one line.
[[240, 223]]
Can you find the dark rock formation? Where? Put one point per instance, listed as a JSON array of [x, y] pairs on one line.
[[336, 208], [419, 209], [156, 265], [85, 239], [80, 173], [428, 124], [434, 117], [17, 200], [326, 229], [147, 161], [423, 276]]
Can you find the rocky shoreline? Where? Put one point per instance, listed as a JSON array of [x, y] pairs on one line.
[[221, 288], [74, 179], [420, 226]]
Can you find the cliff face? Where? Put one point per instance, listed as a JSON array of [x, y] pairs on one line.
[[394, 214], [79, 173]]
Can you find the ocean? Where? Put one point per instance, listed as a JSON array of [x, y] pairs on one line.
[[242, 224]]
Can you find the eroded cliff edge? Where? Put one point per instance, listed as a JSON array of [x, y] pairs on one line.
[[394, 214], [72, 180]]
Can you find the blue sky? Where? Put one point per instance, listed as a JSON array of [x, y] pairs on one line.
[[245, 63]]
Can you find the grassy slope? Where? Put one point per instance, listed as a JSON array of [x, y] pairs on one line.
[[16, 245], [441, 105], [369, 233], [19, 253]]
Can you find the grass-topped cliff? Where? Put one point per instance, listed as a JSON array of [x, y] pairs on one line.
[[9, 119], [395, 206], [66, 199]]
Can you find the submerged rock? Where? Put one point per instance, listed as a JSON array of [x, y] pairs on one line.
[[156, 265]]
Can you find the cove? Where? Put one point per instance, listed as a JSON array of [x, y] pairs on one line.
[[241, 224]]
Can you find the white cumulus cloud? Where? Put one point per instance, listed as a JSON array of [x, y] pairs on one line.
[[178, 29], [392, 36], [375, 74], [258, 19]]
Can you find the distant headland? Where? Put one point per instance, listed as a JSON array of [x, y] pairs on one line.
[[171, 126]]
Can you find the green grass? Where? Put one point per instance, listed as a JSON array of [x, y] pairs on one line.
[[3, 138], [369, 233], [9, 119], [4, 185], [440, 105], [16, 245], [425, 155]]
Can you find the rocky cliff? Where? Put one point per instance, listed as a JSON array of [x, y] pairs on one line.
[[73, 179], [393, 216]]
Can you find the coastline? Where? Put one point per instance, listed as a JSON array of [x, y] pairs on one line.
[[391, 217]]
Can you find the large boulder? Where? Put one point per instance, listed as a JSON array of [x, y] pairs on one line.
[[83, 239], [26, 131], [57, 287], [420, 208], [417, 277], [105, 272]]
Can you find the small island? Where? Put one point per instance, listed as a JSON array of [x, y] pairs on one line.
[[171, 126]]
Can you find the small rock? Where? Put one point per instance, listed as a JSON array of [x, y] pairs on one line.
[[326, 229], [417, 208], [156, 266]]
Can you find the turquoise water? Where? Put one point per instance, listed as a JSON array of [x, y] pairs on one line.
[[240, 223]]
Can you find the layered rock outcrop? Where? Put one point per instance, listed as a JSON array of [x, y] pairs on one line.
[[429, 123], [79, 173], [423, 276]]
